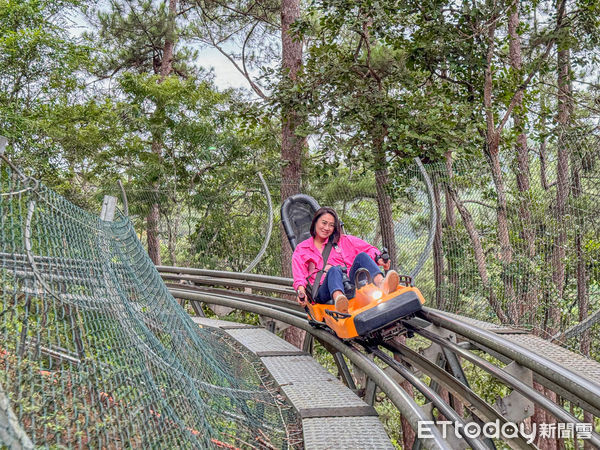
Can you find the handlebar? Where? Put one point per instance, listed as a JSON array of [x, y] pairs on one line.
[[384, 254]]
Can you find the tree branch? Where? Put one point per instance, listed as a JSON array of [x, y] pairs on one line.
[[452, 80], [479, 203], [254, 86], [515, 97]]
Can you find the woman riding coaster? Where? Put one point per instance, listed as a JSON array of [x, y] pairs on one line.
[[347, 251]]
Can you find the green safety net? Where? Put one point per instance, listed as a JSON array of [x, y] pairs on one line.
[[96, 353], [527, 258]]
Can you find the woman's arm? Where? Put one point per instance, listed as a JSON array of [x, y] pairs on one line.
[[299, 269], [362, 246]]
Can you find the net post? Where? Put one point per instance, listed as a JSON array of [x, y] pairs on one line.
[[124, 198], [109, 205]]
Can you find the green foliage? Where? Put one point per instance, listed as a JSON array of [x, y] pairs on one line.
[[131, 35], [42, 67]]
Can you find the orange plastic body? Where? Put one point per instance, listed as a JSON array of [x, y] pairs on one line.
[[365, 298]]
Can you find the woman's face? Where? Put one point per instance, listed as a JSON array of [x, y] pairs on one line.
[[325, 226]]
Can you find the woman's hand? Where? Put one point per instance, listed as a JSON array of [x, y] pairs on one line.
[[386, 264], [301, 297]]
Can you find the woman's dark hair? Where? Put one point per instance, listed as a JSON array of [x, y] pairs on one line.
[[337, 228]]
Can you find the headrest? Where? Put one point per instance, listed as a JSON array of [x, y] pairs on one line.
[[297, 212]]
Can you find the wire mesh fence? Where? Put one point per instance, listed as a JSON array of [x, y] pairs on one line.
[[502, 249], [94, 348], [96, 353], [531, 259]]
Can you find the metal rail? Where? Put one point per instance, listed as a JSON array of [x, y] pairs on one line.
[[484, 410], [581, 388], [578, 389], [263, 248], [405, 404], [510, 381], [573, 386], [561, 376], [429, 394], [224, 274], [489, 413], [477, 405]]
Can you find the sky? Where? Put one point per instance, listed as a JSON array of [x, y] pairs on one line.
[[226, 76]]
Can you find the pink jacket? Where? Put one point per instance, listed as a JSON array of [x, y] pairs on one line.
[[308, 260]]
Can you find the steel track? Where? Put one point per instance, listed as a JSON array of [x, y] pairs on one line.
[[578, 389]]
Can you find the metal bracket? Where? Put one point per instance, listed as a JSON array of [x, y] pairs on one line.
[[308, 343], [434, 350], [370, 391], [124, 199], [270, 326], [441, 362], [197, 307], [515, 407]]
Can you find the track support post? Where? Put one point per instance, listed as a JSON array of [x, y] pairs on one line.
[[370, 391], [344, 371], [516, 407]]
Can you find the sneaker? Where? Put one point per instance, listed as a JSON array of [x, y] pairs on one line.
[[341, 304], [390, 282]]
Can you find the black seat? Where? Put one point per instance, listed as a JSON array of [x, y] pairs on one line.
[[297, 212]]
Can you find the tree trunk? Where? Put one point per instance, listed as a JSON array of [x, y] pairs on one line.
[[438, 253], [506, 251], [166, 66], [492, 149], [154, 214], [582, 275], [384, 202], [452, 268], [588, 418], [562, 176], [552, 444], [292, 146], [450, 214], [479, 256], [528, 297], [543, 155], [152, 234], [539, 417], [173, 233], [582, 280], [562, 191], [408, 434]]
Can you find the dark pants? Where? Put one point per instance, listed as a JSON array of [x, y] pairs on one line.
[[333, 279]]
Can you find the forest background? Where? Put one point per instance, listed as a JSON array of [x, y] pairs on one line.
[[499, 99]]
